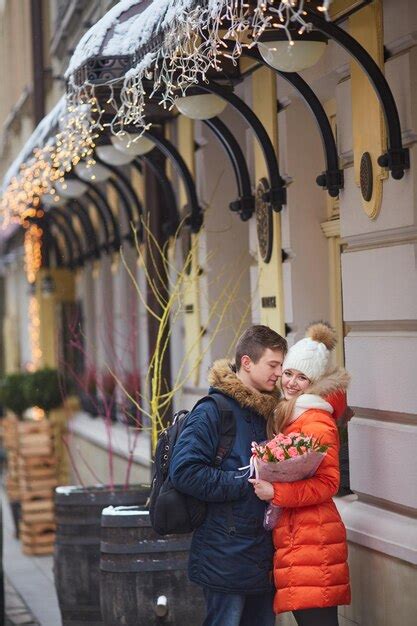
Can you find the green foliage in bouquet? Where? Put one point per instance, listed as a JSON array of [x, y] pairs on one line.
[[13, 393]]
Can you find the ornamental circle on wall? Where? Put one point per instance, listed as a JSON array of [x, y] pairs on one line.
[[264, 222]]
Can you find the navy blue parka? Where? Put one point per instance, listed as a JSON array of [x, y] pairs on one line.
[[230, 552]]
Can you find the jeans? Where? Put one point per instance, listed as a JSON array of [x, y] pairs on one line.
[[233, 609], [317, 617]]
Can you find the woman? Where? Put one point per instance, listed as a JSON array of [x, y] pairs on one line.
[[310, 563]]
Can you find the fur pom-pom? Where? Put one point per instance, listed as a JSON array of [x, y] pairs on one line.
[[324, 333]]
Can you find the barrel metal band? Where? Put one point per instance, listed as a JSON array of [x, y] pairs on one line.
[[155, 547], [144, 566]]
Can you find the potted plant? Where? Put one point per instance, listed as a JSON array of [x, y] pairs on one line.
[[13, 393], [43, 389], [14, 398]]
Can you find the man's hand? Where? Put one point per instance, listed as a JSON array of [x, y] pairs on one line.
[[263, 489]]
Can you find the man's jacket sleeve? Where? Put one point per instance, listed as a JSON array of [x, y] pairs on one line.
[[191, 466]]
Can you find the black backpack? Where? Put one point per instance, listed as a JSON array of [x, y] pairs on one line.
[[170, 511]]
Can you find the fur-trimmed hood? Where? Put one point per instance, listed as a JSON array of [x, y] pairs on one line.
[[333, 382], [223, 378]]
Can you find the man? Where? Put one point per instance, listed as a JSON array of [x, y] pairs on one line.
[[231, 553]]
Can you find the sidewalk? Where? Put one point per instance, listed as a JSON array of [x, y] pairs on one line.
[[31, 576], [17, 614]]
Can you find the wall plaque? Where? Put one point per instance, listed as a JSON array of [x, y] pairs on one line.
[[264, 222]]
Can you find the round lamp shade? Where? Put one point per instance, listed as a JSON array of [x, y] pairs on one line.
[[96, 172], [71, 188], [50, 200], [109, 154], [136, 145], [201, 107], [301, 53]]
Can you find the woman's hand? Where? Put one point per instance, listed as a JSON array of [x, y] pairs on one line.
[[263, 489]]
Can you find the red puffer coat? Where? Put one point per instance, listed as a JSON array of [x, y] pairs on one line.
[[310, 562]]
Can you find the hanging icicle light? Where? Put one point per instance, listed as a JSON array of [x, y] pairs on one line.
[[195, 39]]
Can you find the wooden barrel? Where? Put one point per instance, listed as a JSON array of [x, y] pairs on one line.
[[77, 547], [143, 576]]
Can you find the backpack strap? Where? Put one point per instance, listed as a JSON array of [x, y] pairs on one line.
[[227, 426]]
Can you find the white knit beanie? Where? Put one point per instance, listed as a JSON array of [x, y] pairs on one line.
[[311, 354]]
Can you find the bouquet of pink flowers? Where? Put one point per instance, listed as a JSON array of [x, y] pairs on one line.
[[285, 459]]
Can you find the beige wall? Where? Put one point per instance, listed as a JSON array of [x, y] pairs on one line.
[[15, 54], [15, 79]]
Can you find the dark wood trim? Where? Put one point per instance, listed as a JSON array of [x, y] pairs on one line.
[[380, 326], [385, 416]]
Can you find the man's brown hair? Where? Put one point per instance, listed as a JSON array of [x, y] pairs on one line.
[[255, 340]]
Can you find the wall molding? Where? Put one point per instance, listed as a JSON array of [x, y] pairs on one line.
[[401, 45], [379, 529], [387, 505], [331, 228], [388, 326], [95, 431], [385, 416], [380, 239]]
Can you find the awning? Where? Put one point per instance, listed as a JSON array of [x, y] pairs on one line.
[[44, 130], [143, 48]]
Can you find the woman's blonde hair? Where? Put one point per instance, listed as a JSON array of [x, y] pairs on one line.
[[280, 417]]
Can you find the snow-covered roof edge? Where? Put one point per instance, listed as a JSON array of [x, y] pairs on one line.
[[37, 139], [91, 42], [130, 35]]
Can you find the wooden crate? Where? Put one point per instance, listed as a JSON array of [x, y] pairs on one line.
[[10, 442], [37, 538], [35, 439], [38, 511]]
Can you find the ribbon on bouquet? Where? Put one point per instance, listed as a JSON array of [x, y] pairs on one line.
[[250, 470]]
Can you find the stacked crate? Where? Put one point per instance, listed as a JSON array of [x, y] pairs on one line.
[[10, 443], [37, 480]]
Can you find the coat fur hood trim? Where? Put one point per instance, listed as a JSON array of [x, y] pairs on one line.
[[223, 377], [336, 380]]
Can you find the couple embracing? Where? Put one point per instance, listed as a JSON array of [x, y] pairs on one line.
[[232, 556]]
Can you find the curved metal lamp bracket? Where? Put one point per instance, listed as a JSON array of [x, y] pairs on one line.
[[52, 221], [121, 184], [99, 201], [397, 158], [65, 218], [245, 204], [90, 233], [170, 227], [332, 179], [277, 195], [195, 219]]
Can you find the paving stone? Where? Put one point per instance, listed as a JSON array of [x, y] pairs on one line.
[[17, 613]]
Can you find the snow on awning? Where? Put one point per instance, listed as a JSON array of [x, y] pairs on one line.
[[142, 48], [123, 32], [38, 139]]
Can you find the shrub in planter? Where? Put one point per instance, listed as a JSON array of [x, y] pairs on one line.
[[13, 393], [43, 389]]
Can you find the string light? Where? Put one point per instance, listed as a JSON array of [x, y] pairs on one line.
[[194, 44]]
